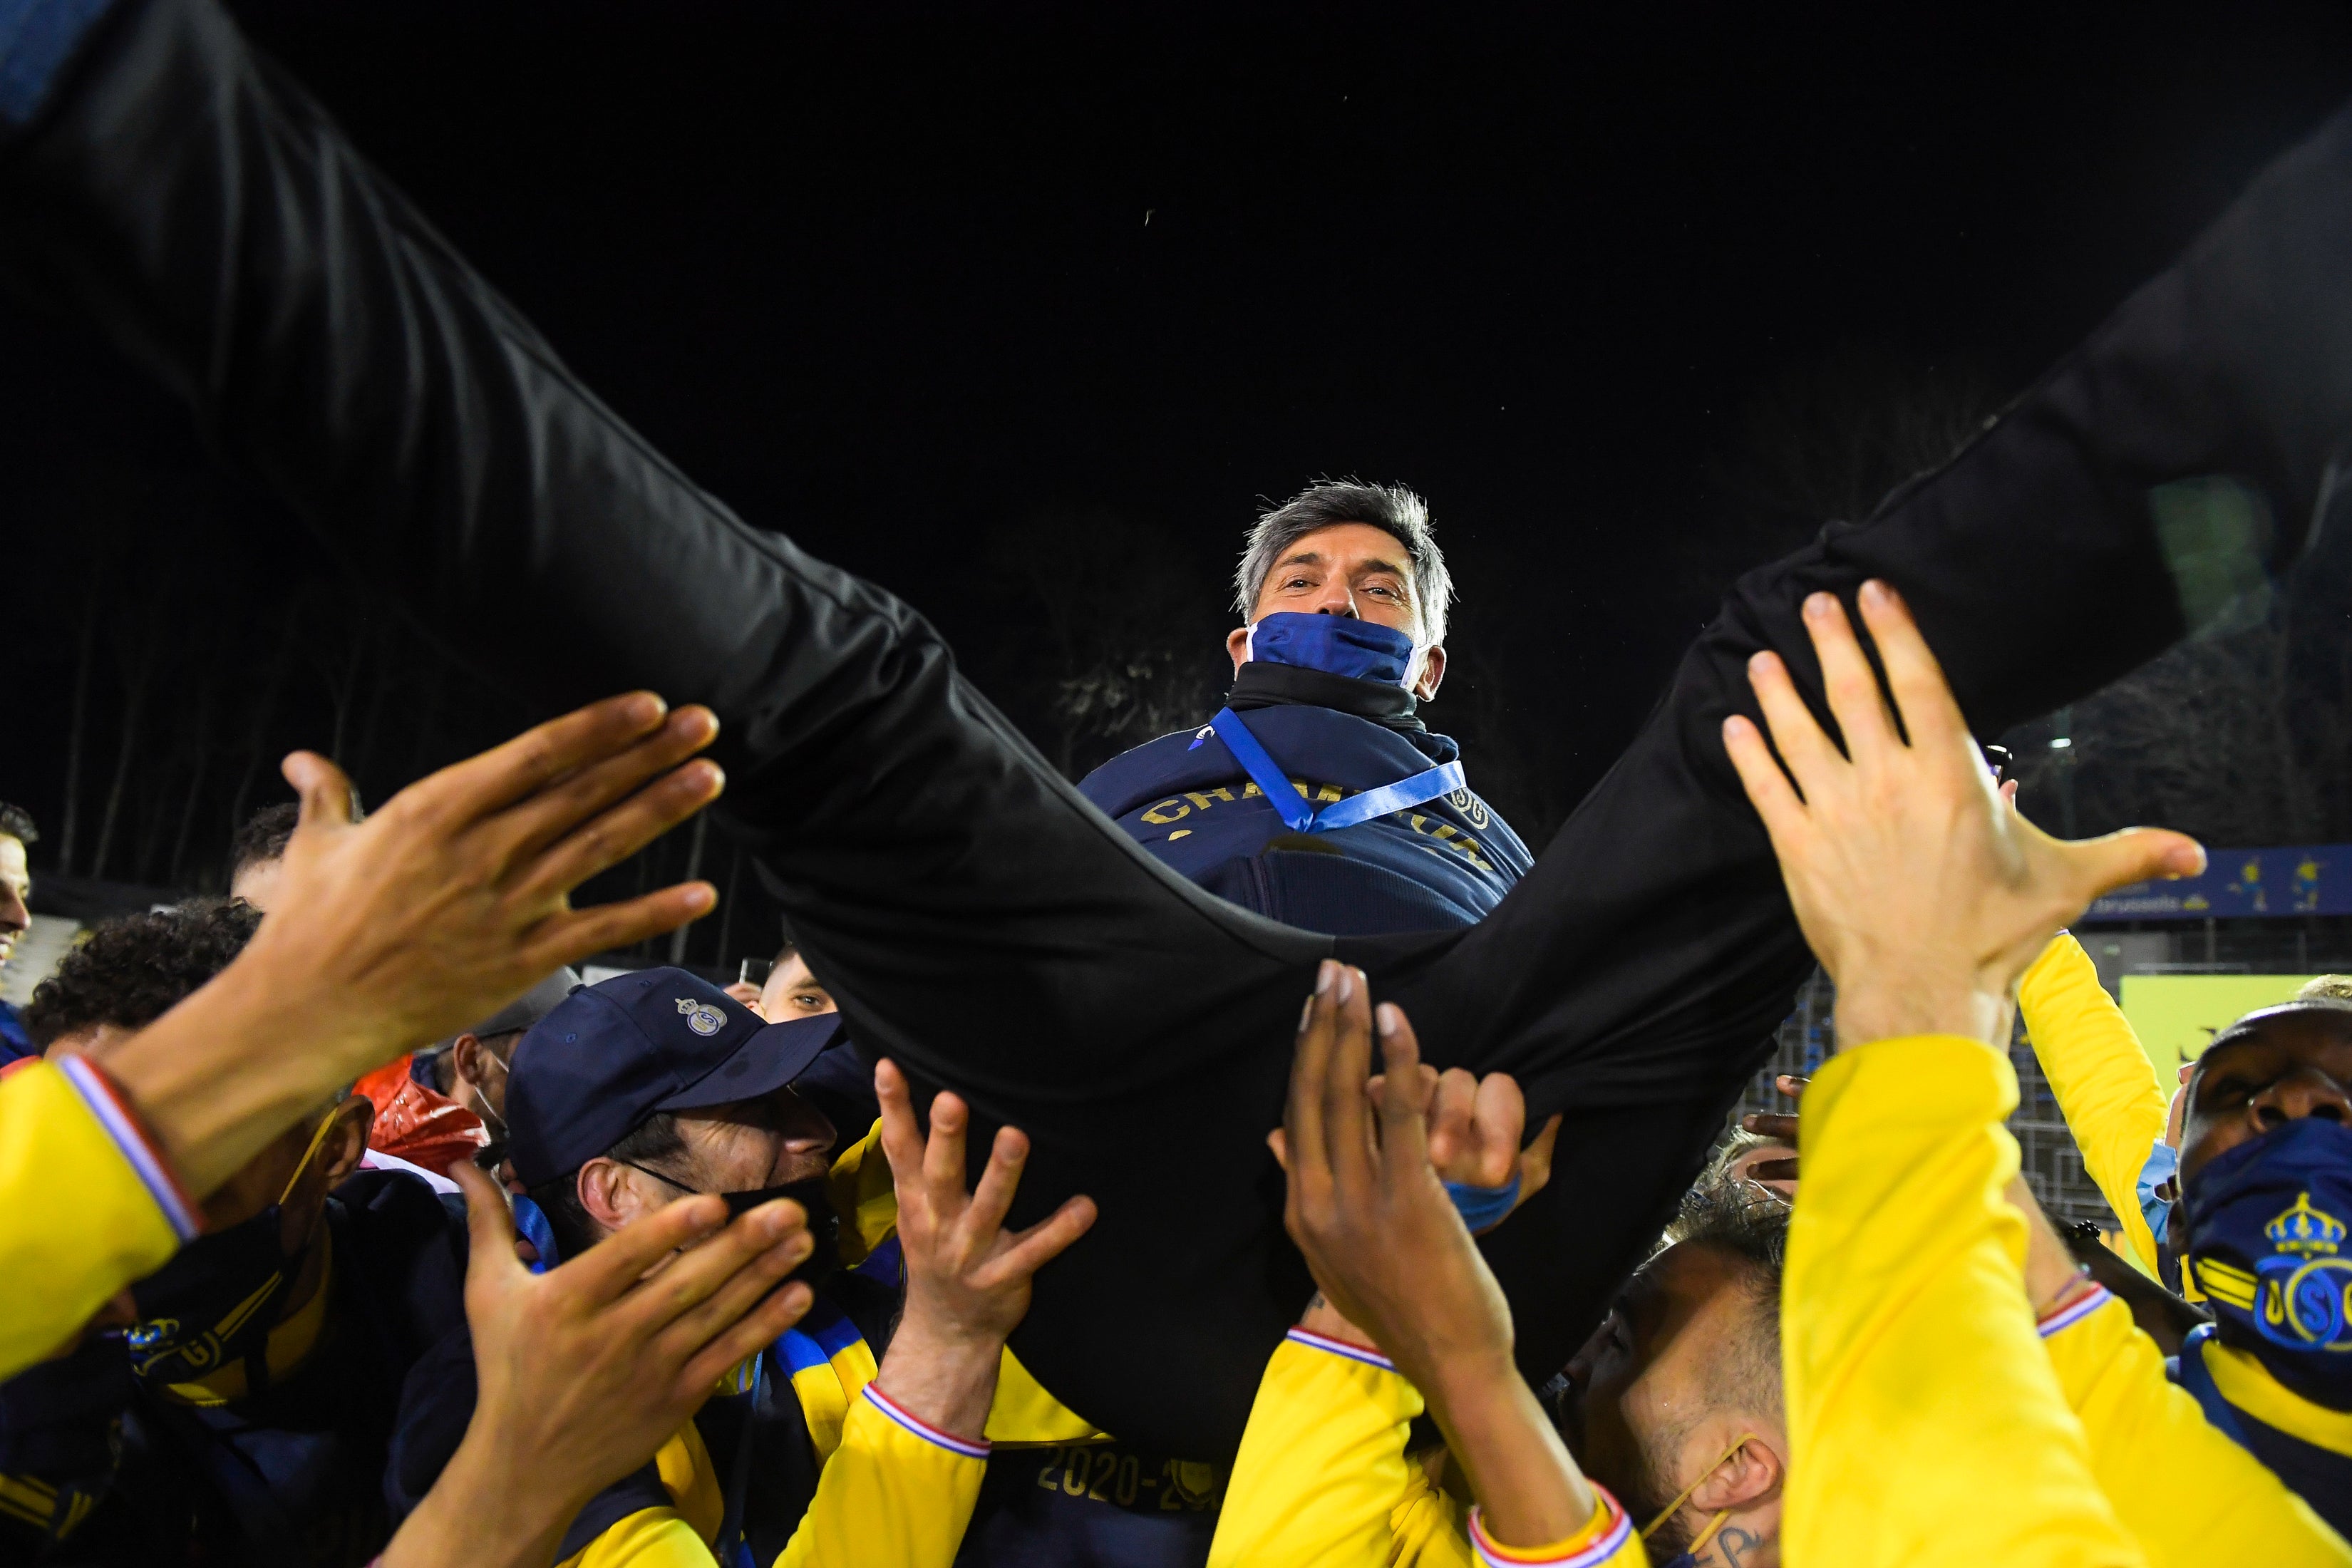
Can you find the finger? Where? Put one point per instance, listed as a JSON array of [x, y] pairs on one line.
[[730, 1297], [1346, 1121], [993, 1197], [1772, 1124], [1311, 1064], [1280, 1143], [1848, 683], [607, 1270], [2099, 865], [2008, 793], [615, 834], [1454, 1142], [325, 792], [1773, 1171], [489, 1225], [1769, 789], [1813, 759], [1789, 1084], [1032, 1249], [1404, 1143], [537, 821], [761, 1327], [467, 792], [699, 1273], [902, 1140], [1923, 698], [1499, 1122], [1535, 1159], [943, 1157], [571, 935]]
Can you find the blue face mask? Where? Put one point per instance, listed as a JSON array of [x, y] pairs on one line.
[[2266, 1227], [1335, 645], [2163, 1164]]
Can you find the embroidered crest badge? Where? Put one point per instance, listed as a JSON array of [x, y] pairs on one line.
[[701, 1017]]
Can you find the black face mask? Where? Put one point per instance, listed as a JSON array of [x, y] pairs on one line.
[[212, 1304], [809, 1193], [825, 1225], [217, 1298]]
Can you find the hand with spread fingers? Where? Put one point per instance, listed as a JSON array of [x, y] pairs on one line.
[[968, 1279], [448, 903], [1921, 891], [1392, 1257], [586, 1370]]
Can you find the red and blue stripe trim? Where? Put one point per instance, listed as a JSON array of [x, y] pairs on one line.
[[924, 1429], [114, 1111], [1364, 1353], [2067, 1317], [1612, 1539]]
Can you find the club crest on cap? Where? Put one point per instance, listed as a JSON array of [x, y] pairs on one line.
[[702, 1016]]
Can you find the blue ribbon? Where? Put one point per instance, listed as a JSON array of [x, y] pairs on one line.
[[1484, 1208], [1297, 813]]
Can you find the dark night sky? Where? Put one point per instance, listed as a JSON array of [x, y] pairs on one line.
[[881, 276]]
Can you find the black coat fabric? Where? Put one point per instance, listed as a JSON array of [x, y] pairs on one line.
[[161, 179]]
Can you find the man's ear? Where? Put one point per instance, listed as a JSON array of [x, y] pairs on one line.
[[608, 1194], [1237, 644], [1749, 1477], [347, 1144], [466, 1059], [1432, 673]]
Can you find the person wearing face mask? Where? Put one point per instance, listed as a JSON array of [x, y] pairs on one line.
[[2263, 1222], [240, 1403], [655, 1085], [1317, 795], [478, 1060]]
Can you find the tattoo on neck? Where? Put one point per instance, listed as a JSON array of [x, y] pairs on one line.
[[1732, 1548]]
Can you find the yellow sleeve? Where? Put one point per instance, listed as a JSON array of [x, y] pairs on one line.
[[2189, 1495], [1908, 1349], [649, 1538], [2105, 1086], [859, 1186], [678, 1536], [898, 1494], [91, 1203], [1322, 1478], [1322, 1463]]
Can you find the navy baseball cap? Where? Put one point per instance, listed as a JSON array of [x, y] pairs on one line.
[[613, 1053]]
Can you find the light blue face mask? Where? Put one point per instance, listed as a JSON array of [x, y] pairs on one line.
[[2163, 1164]]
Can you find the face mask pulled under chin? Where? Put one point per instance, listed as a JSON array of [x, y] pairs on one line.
[[1335, 645], [2265, 1226], [824, 1224], [215, 1301]]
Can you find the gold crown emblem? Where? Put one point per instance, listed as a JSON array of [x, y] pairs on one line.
[[2306, 1230]]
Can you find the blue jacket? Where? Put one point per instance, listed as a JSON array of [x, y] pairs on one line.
[[1436, 866]]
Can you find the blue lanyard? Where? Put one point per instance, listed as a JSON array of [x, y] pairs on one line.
[[1300, 817]]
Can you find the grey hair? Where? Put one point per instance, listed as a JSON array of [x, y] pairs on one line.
[[1393, 508]]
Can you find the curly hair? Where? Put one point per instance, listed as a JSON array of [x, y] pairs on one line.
[[134, 970]]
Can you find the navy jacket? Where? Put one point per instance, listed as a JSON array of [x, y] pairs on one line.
[[292, 1477], [1441, 864]]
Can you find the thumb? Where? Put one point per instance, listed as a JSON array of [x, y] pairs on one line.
[[2133, 855], [489, 1227], [326, 793]]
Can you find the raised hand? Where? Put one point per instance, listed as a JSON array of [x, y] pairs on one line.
[[586, 1370], [968, 1279], [442, 907], [1922, 892], [1391, 1255]]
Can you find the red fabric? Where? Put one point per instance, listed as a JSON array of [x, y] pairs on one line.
[[416, 1123]]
